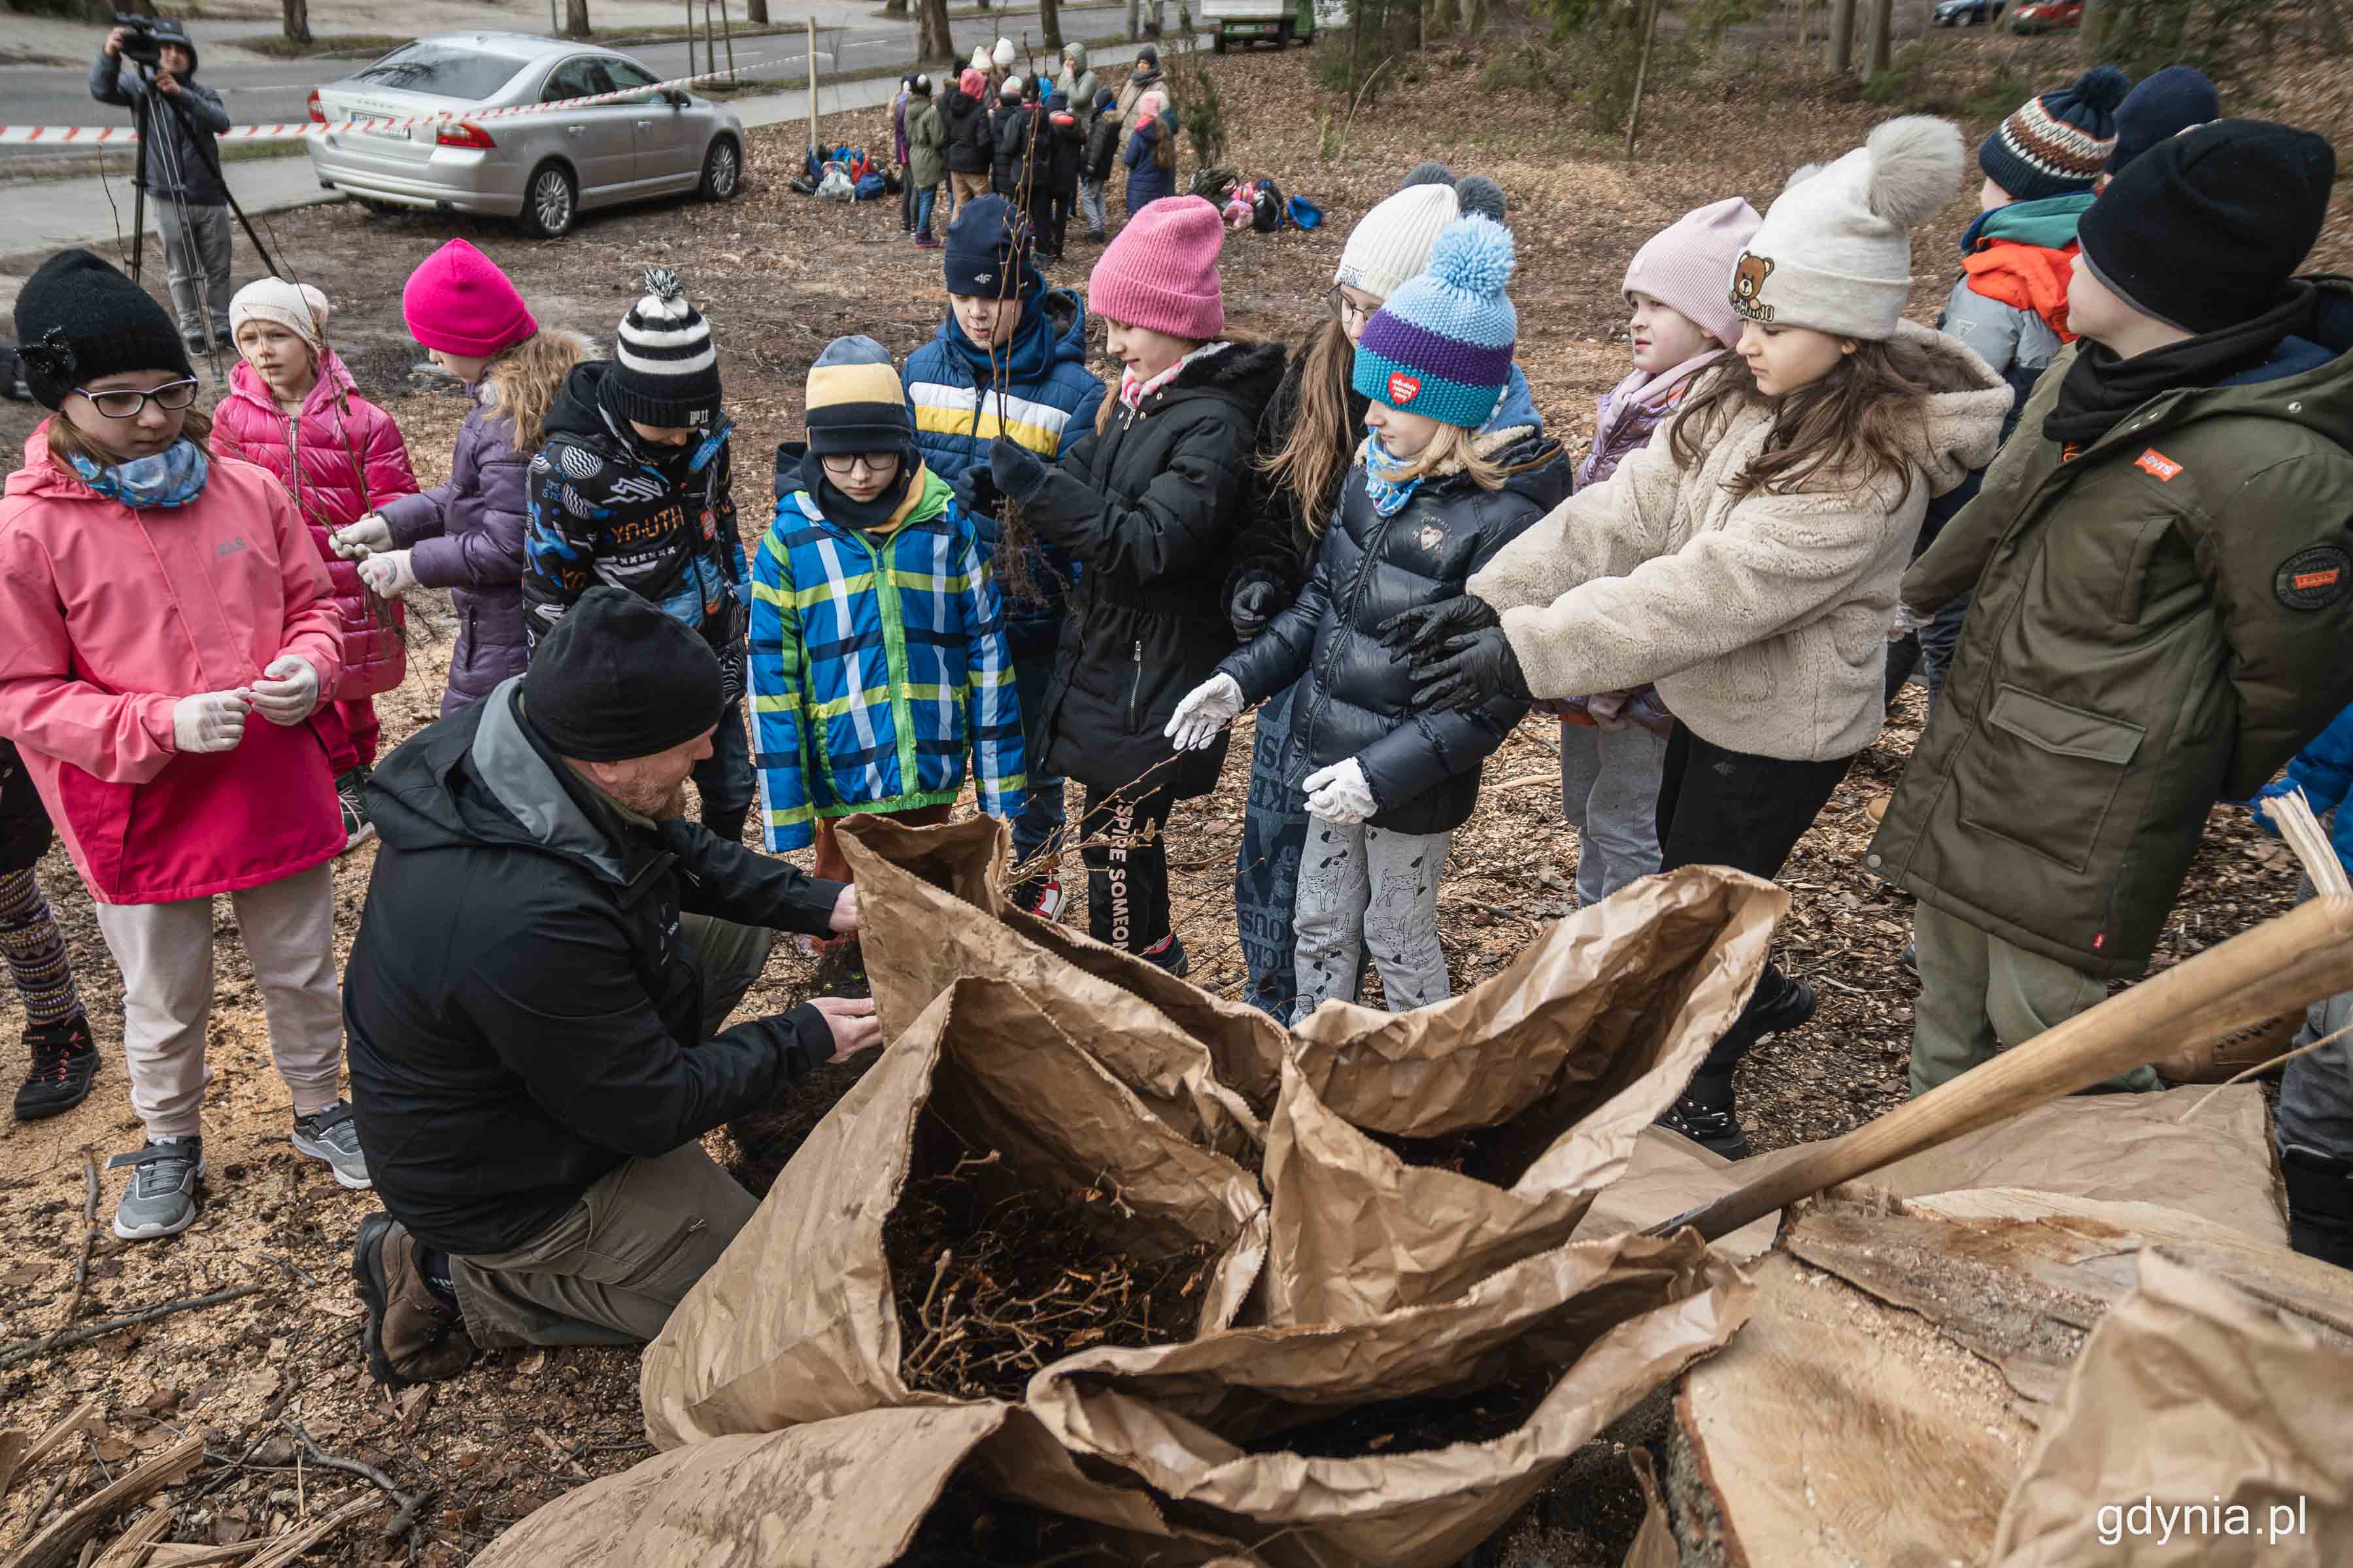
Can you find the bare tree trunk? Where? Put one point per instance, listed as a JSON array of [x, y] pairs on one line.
[[2095, 23], [1642, 69], [1474, 17], [298, 21], [755, 12], [934, 41], [1134, 19], [1838, 54], [575, 18], [1805, 23], [1879, 42], [1442, 17], [1049, 21]]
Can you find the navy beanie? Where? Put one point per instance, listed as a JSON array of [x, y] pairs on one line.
[[2165, 104], [989, 241], [2204, 230]]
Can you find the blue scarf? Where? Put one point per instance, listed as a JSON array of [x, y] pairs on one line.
[[172, 476], [1388, 494]]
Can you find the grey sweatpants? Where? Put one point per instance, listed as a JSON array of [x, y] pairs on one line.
[[1609, 792], [195, 258], [1091, 207], [611, 1271], [1362, 887]]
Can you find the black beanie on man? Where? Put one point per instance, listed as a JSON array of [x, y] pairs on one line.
[[79, 319], [619, 678], [2204, 229], [665, 370]]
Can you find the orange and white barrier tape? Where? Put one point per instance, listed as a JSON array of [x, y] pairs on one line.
[[116, 135]]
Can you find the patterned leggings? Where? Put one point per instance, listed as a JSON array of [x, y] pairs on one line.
[[36, 950]]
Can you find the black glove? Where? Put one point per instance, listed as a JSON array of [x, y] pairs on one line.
[[1255, 602], [1016, 468], [1420, 634], [977, 493], [1473, 668]]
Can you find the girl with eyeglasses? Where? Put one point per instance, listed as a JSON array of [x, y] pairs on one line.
[[166, 630], [1306, 441], [879, 660]]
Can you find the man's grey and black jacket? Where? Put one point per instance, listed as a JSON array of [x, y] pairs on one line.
[[179, 154], [525, 1012]]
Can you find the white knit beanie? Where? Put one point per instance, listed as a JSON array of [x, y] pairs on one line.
[[980, 61], [1004, 55], [297, 307], [1684, 265], [1835, 252], [1391, 243]]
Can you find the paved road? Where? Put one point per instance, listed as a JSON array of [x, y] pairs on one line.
[[274, 93]]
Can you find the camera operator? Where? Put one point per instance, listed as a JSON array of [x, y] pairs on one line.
[[181, 165]]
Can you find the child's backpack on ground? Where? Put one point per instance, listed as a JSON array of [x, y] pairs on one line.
[[1304, 213], [1216, 185], [868, 187], [1266, 207]]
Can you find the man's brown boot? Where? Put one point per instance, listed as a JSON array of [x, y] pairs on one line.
[[414, 1332]]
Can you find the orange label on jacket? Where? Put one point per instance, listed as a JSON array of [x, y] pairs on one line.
[[2155, 462], [2306, 581]]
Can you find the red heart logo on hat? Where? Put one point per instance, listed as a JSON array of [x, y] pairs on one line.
[[1403, 388]]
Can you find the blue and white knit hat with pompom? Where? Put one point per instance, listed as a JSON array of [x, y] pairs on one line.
[[1442, 345]]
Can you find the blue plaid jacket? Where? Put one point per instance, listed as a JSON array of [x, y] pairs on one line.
[[878, 662]]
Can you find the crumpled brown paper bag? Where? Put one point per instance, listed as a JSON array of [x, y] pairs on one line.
[[1616, 1319], [795, 1323], [1357, 1230], [844, 1493], [2192, 1395], [1661, 960], [931, 910]]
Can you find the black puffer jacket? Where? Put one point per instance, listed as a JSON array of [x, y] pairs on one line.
[[524, 1012], [1355, 700], [1012, 128], [1151, 508], [1278, 548], [971, 145]]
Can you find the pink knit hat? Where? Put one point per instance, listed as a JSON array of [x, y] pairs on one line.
[[1161, 273], [1684, 265], [459, 302]]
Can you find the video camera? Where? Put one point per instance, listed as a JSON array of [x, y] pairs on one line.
[[143, 38]]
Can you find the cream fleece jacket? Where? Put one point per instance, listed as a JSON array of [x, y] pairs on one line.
[[1762, 621]]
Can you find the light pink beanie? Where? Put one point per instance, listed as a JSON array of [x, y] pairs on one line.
[[1161, 273], [459, 302], [1685, 264]]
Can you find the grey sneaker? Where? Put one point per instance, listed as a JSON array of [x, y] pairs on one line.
[[334, 1137], [162, 1197]]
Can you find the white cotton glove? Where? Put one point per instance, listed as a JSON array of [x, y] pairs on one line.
[[209, 720], [1206, 709], [1907, 621], [288, 691], [1340, 794], [361, 537], [387, 574]]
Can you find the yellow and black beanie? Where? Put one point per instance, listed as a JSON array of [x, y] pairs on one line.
[[855, 401]]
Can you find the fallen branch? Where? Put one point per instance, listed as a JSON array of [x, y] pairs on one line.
[[77, 1419], [409, 1506], [130, 1548], [57, 1545], [25, 1350], [284, 1549], [88, 1239]]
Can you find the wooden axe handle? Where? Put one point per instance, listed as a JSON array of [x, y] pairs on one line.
[[2282, 964]]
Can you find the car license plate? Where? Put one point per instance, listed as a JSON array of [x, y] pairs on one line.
[[1249, 29]]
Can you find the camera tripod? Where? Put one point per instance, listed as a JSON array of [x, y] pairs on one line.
[[168, 153]]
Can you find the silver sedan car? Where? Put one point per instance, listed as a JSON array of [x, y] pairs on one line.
[[543, 170]]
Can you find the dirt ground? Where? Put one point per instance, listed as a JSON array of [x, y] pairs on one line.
[[779, 276]]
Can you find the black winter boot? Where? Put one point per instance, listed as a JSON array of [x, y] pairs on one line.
[[2319, 1205], [64, 1061]]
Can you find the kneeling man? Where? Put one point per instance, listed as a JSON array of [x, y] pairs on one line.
[[534, 1001]]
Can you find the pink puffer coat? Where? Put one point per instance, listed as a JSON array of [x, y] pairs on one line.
[[108, 617], [341, 458]]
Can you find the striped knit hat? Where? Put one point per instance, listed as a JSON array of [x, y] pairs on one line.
[[1442, 345], [665, 371], [855, 403], [2056, 144]]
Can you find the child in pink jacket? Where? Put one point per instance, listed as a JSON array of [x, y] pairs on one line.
[[291, 408], [166, 631]]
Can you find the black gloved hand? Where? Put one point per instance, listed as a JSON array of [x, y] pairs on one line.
[[1473, 668], [1254, 605], [1017, 470], [977, 493], [1420, 634]]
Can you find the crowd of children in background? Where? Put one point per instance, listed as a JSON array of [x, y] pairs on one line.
[[989, 568]]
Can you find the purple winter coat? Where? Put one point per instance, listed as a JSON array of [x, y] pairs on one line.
[[467, 536]]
